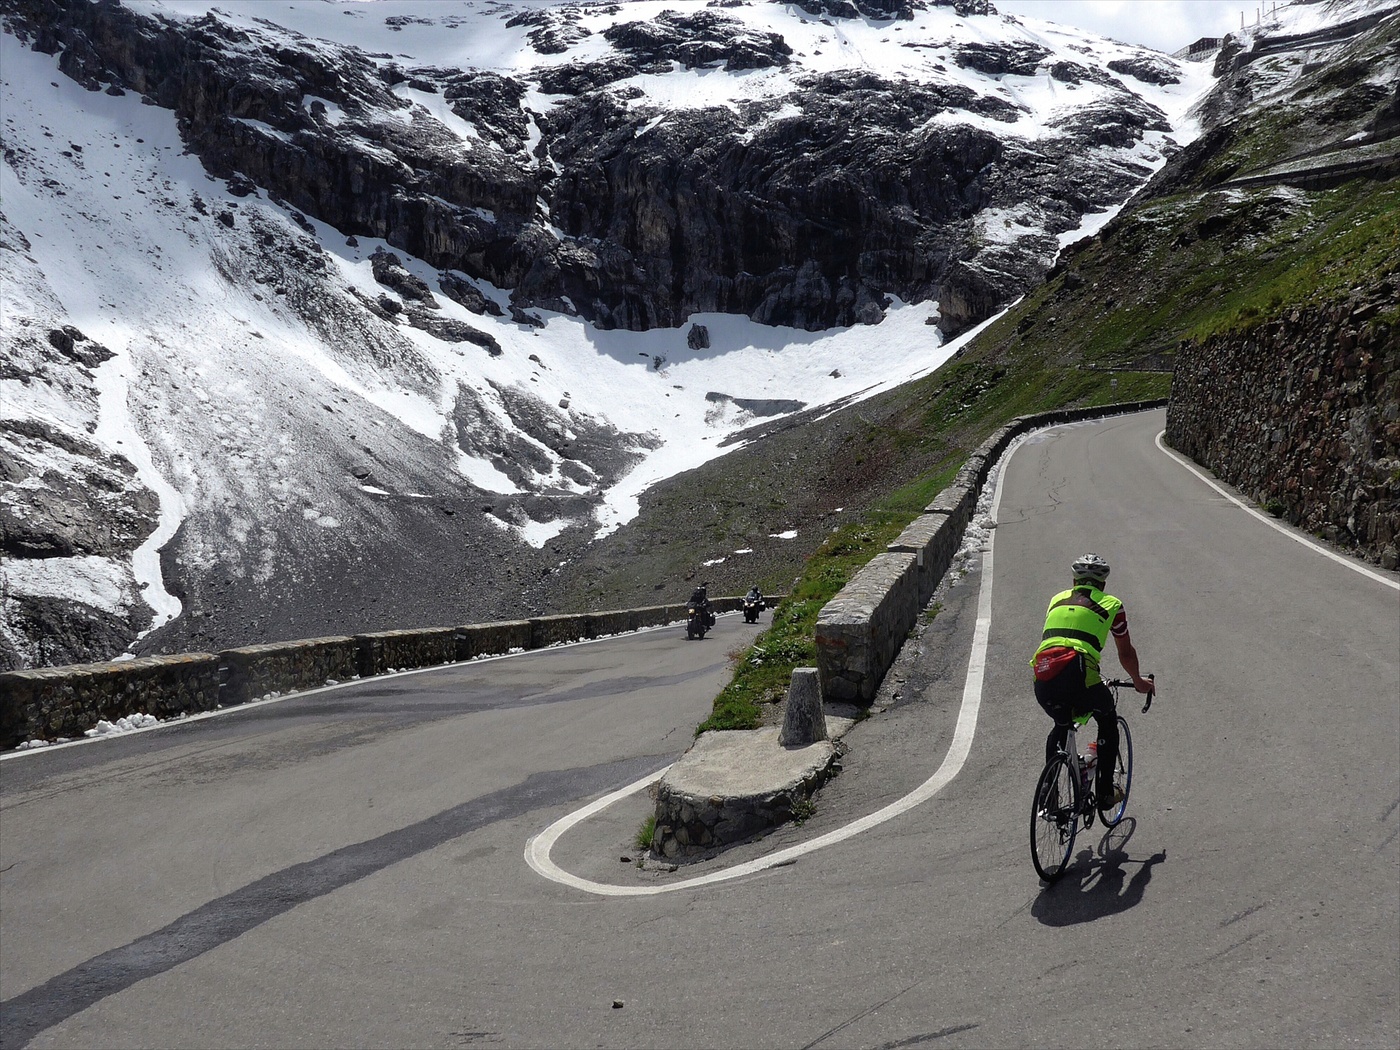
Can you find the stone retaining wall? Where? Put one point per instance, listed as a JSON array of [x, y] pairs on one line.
[[61, 702], [860, 631], [1302, 414], [385, 651], [932, 539], [489, 639], [53, 702], [254, 671], [552, 630]]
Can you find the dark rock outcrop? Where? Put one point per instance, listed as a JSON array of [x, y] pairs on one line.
[[636, 216], [388, 270], [453, 331], [64, 501], [64, 631], [1148, 68], [75, 346], [706, 38], [466, 294], [1001, 59], [552, 31], [98, 510]]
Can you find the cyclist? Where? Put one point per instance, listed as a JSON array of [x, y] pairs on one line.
[[1067, 681]]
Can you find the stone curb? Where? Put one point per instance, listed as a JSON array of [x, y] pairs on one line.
[[734, 784]]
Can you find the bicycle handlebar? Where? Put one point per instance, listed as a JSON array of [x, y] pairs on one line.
[[1117, 682]]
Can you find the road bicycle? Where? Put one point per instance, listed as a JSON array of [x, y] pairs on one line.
[[1064, 794]]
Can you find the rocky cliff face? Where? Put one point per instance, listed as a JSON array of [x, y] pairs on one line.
[[1284, 410], [1298, 403], [806, 207], [1302, 414]]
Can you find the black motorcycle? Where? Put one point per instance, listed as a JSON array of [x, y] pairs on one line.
[[752, 607], [698, 620]]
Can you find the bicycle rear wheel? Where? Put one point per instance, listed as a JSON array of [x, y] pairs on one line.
[[1054, 819], [1122, 776]]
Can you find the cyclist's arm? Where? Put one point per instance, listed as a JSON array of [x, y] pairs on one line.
[[1127, 654]]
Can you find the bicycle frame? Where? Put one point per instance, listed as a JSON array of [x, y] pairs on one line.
[[1071, 752]]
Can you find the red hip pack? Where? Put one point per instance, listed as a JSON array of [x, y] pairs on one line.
[[1051, 662]]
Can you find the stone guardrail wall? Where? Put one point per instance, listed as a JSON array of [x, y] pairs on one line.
[[55, 702], [860, 631], [61, 702], [1302, 414]]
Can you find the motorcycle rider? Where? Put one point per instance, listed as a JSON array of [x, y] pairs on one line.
[[753, 604], [700, 600]]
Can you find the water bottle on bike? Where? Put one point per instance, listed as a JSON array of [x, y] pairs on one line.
[[1088, 763]]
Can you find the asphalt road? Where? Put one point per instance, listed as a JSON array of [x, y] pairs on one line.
[[346, 868]]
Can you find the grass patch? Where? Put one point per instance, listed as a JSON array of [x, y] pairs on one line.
[[1350, 237], [645, 833]]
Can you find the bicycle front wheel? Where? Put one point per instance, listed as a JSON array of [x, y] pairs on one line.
[[1054, 819], [1122, 776]]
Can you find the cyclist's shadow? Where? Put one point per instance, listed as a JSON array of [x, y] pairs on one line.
[[1095, 885]]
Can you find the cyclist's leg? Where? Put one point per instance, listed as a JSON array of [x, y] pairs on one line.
[[1099, 700], [1053, 698]]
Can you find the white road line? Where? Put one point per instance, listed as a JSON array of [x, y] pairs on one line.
[[1350, 563], [537, 850]]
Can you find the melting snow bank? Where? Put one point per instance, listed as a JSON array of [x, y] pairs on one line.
[[837, 368], [128, 724], [116, 429], [771, 365], [103, 729]]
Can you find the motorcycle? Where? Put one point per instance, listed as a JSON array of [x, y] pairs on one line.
[[752, 607], [698, 621]]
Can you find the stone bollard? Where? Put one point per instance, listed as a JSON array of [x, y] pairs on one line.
[[804, 722]]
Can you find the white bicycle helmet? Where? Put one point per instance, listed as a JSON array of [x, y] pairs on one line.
[[1090, 567]]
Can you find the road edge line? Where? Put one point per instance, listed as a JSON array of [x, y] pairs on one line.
[[1350, 563]]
